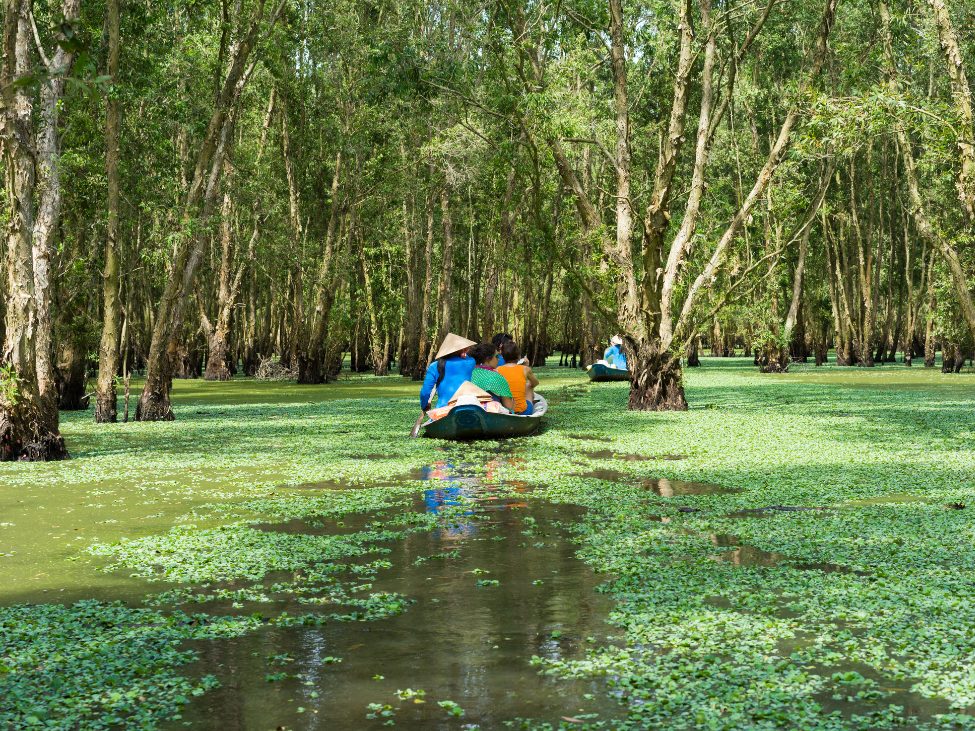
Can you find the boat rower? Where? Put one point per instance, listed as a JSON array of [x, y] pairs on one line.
[[451, 367]]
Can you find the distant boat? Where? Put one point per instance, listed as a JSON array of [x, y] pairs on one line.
[[599, 372], [473, 422]]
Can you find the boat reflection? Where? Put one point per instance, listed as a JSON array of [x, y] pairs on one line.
[[475, 490]]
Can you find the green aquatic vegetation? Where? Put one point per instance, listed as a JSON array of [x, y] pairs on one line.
[[728, 622], [452, 708], [380, 710], [232, 551], [437, 557], [95, 665], [410, 694]]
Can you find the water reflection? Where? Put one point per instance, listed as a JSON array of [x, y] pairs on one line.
[[464, 639], [463, 485], [670, 488]]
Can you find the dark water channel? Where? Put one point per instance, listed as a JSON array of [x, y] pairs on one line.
[[458, 642]]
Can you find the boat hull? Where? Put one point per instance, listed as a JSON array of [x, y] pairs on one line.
[[473, 422], [600, 373]]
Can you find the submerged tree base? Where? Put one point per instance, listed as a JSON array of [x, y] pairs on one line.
[[773, 360], [154, 405], [106, 408], [658, 383], [31, 443], [308, 374]]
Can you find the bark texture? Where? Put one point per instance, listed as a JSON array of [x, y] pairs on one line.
[[28, 407], [106, 398]]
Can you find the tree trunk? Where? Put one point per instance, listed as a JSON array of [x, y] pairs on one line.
[[218, 354], [409, 350], [657, 382], [106, 398], [422, 362], [925, 227], [693, 359], [311, 365], [962, 102], [930, 347], [948, 357], [188, 357], [71, 378], [445, 292], [960, 357], [377, 353], [28, 417]]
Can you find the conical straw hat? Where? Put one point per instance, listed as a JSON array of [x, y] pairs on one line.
[[453, 344], [616, 340], [469, 389]]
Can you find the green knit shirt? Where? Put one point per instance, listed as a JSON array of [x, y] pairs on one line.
[[491, 381]]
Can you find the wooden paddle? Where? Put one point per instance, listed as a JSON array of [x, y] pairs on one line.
[[416, 427]]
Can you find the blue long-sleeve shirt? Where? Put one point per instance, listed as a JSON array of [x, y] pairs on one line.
[[457, 369], [616, 357]]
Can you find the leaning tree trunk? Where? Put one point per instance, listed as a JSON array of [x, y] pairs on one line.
[[154, 404], [28, 423]]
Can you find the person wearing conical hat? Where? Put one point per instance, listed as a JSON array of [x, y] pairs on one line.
[[450, 368], [614, 355]]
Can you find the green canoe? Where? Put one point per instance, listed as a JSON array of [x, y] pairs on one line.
[[473, 422], [600, 373]]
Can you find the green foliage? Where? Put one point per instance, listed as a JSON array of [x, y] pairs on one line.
[[9, 387]]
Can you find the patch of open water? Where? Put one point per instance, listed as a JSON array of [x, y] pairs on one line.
[[457, 642]]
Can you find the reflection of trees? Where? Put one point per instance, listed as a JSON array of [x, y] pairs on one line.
[[516, 608], [444, 646], [747, 556]]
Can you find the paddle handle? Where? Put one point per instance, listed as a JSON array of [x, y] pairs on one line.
[[416, 427]]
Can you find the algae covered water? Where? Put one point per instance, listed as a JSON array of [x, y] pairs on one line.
[[488, 590], [783, 555]]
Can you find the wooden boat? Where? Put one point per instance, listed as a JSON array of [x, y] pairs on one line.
[[473, 422], [599, 373]]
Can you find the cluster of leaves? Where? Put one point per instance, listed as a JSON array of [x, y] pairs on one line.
[[97, 666]]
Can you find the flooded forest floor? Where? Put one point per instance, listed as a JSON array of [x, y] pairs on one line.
[[795, 552]]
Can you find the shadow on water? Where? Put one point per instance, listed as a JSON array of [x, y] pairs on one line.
[[747, 556], [661, 486], [610, 454], [589, 438], [458, 641], [670, 488]]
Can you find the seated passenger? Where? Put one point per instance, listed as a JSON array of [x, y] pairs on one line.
[[497, 341], [520, 379], [486, 361], [451, 368], [614, 355]]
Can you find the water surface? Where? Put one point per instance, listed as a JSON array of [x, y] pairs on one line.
[[458, 641]]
